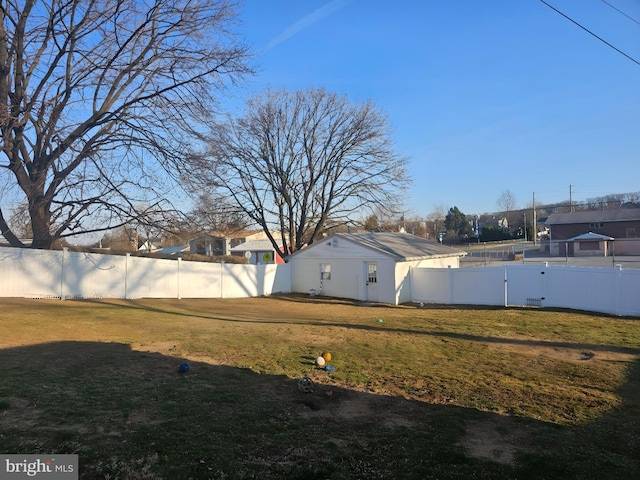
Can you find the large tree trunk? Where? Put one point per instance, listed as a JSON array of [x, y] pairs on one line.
[[41, 225]]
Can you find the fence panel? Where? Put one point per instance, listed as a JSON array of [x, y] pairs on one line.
[[605, 290], [592, 289], [475, 286], [628, 292], [64, 274], [200, 280], [30, 273], [91, 275], [255, 280], [478, 286], [431, 285], [526, 285]]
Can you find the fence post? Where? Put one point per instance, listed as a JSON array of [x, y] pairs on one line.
[[126, 274], [451, 296], [222, 279], [62, 273], [411, 289], [617, 282], [506, 288], [545, 282], [178, 276]]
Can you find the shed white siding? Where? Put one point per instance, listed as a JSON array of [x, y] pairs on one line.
[[348, 262], [348, 271]]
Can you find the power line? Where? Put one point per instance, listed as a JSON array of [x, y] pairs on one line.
[[591, 33], [620, 11]]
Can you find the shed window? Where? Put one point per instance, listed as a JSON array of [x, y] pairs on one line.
[[590, 245], [596, 225], [631, 233], [372, 273], [325, 271]]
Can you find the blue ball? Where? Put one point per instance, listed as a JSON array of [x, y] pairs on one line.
[[184, 367]]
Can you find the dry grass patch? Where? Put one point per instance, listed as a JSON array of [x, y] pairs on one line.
[[429, 392]]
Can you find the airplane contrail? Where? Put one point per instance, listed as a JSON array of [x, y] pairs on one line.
[[306, 21]]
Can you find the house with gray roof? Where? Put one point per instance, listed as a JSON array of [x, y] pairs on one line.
[[257, 252], [622, 225], [371, 267]]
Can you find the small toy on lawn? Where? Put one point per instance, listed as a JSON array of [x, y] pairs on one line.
[[379, 320], [329, 368], [326, 356], [184, 367], [320, 361], [305, 384]]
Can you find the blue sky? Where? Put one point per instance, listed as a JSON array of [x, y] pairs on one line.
[[483, 95]]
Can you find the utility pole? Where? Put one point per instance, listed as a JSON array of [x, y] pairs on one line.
[[570, 198]]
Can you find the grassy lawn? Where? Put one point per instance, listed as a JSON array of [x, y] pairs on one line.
[[417, 393]]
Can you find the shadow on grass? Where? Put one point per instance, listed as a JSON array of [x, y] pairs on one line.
[[131, 414]]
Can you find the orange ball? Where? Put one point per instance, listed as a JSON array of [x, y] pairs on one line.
[[326, 356]]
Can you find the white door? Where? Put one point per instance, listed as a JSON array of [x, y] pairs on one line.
[[371, 276]]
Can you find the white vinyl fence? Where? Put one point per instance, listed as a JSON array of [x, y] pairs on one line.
[[64, 274], [607, 290]]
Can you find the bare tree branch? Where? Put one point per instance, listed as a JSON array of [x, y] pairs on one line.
[[298, 162], [97, 97]]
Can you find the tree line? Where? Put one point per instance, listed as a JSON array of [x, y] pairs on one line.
[[109, 112]]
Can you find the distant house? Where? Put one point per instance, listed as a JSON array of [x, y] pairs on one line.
[[372, 267], [620, 227], [218, 244], [147, 246], [490, 220], [257, 252]]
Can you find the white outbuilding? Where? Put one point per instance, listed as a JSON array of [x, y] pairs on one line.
[[370, 267]]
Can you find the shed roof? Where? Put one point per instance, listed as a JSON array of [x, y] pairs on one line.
[[401, 246], [621, 215], [590, 236]]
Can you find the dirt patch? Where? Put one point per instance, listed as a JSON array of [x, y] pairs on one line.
[[329, 402], [569, 352], [499, 439]]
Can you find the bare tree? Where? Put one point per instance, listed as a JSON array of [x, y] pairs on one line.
[[19, 222], [435, 222], [416, 226], [97, 100], [299, 161], [217, 215], [507, 203], [383, 220]]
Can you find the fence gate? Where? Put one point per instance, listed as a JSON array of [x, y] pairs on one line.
[[526, 285]]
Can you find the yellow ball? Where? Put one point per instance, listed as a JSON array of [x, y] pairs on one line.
[[326, 356]]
